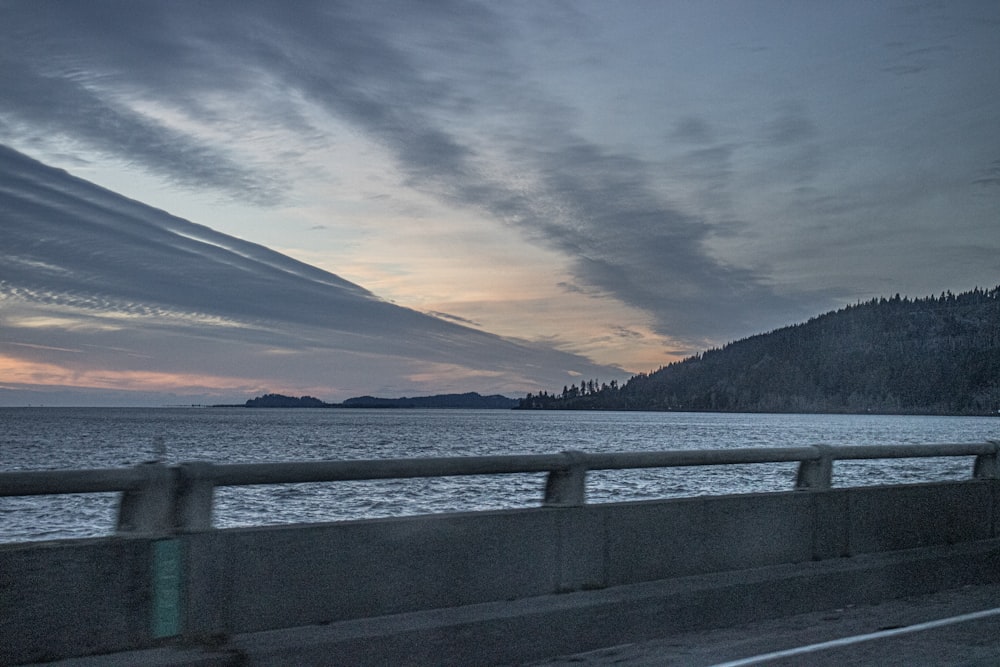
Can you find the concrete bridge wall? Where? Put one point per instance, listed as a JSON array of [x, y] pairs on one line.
[[77, 597]]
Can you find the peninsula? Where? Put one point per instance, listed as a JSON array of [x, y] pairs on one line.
[[469, 401]]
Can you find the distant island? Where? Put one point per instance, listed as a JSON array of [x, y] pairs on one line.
[[470, 400], [933, 356], [281, 401]]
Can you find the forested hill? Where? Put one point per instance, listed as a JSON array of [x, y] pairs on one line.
[[470, 400], [937, 355]]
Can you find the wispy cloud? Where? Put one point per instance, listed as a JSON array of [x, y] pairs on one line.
[[990, 175], [49, 106], [711, 175], [378, 71], [93, 282]]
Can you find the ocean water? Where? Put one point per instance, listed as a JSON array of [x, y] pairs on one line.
[[54, 438]]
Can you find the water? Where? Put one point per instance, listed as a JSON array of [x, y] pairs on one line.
[[51, 438]]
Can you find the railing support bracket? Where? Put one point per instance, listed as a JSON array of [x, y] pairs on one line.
[[567, 487], [148, 507], [985, 466], [195, 488], [816, 473]]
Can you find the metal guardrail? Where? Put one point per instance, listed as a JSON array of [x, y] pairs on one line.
[[159, 498]]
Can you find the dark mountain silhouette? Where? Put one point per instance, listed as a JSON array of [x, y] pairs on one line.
[[281, 401], [935, 355], [470, 400]]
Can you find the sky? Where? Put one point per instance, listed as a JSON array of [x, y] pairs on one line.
[[572, 189]]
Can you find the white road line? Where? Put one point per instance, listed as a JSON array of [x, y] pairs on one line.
[[857, 639]]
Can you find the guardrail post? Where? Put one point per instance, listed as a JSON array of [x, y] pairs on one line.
[[985, 465], [148, 507], [567, 487], [193, 499], [816, 473]]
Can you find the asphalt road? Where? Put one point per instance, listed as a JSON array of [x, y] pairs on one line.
[[898, 632]]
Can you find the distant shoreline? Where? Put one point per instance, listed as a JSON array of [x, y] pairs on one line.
[[467, 401]]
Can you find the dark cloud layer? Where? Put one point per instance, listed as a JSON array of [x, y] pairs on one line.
[[384, 70], [74, 251], [439, 86], [64, 103]]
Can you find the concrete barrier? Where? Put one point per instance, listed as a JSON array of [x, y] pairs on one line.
[[74, 597], [78, 597], [512, 633]]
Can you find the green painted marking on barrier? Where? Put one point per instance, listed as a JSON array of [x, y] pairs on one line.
[[166, 603]]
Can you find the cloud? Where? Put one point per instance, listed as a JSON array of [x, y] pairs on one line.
[[915, 61], [991, 175], [693, 130], [793, 125], [91, 282], [709, 170], [62, 107], [379, 71], [600, 208], [455, 318], [474, 108], [622, 332]]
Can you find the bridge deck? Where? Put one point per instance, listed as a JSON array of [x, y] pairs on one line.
[[887, 633]]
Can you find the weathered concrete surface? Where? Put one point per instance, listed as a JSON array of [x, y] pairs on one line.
[[254, 579], [71, 598], [969, 643], [263, 578], [507, 633]]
